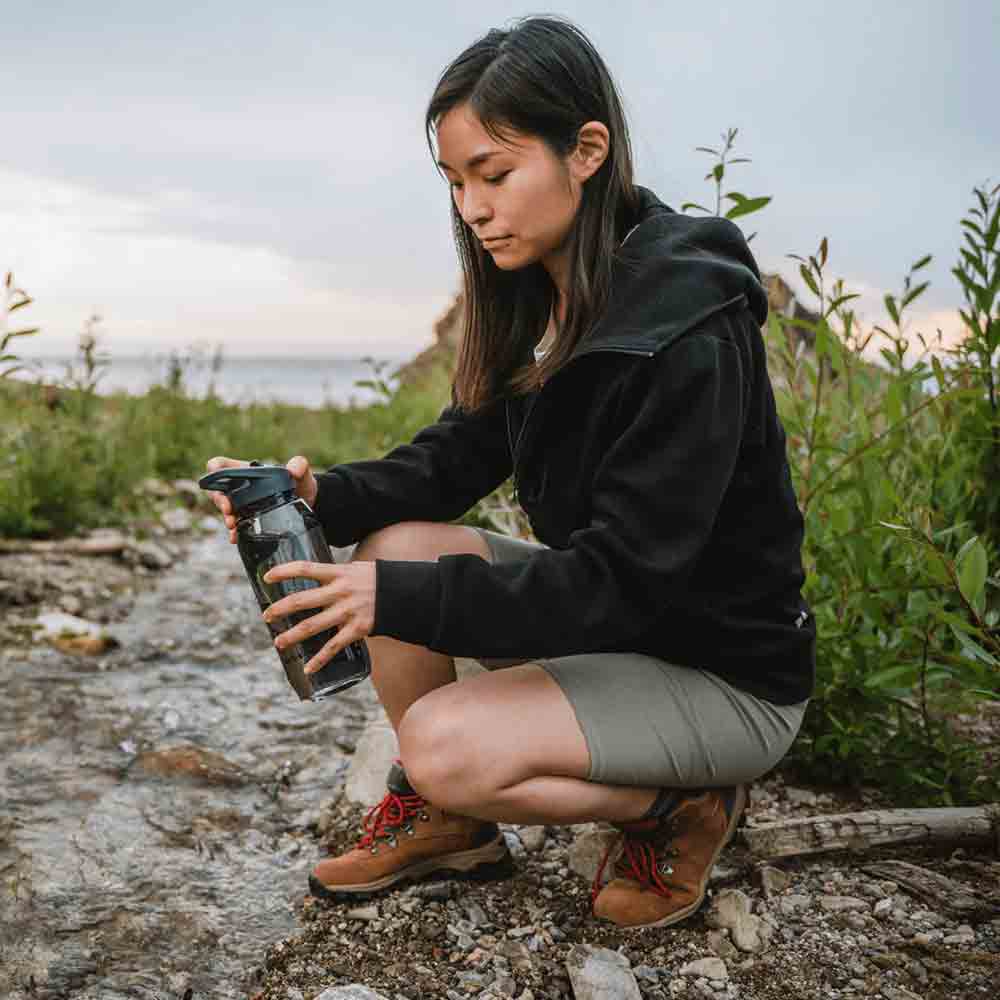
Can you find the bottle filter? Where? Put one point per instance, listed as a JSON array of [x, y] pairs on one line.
[[274, 526]]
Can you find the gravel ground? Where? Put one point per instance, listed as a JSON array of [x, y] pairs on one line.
[[827, 928]]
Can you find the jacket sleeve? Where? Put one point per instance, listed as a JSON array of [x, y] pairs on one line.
[[438, 476], [654, 501]]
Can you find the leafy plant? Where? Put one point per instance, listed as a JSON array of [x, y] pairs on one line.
[[14, 299]]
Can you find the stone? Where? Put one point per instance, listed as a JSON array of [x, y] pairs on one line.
[[898, 993], [377, 749], [190, 761], [74, 635], [533, 837], [362, 913], [588, 848], [883, 907], [718, 942], [176, 520], [353, 992], [838, 904], [190, 491], [151, 555], [711, 968], [800, 796], [730, 910], [773, 880], [597, 973]]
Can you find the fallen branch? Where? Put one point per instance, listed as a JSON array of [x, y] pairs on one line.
[[108, 544], [861, 831], [938, 891]]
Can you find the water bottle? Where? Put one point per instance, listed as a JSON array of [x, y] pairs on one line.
[[273, 526]]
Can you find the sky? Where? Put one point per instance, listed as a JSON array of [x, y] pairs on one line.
[[255, 176]]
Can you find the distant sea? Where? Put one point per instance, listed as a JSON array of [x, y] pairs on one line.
[[312, 382]]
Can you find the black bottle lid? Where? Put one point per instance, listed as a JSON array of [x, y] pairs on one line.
[[249, 484]]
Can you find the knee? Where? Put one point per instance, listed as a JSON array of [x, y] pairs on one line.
[[402, 540], [438, 753]]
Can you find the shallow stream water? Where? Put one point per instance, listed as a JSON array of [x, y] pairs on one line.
[[154, 800]]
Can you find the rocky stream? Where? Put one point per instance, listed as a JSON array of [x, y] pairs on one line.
[[163, 796]]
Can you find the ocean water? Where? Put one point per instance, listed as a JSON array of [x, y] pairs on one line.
[[312, 382]]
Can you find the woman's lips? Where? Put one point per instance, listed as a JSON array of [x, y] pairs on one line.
[[497, 241]]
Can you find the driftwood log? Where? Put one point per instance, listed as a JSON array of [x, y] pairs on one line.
[[967, 827], [106, 544], [938, 891]]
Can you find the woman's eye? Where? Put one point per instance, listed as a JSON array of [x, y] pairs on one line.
[[498, 178]]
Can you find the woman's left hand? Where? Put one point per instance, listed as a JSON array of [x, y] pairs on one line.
[[346, 595]]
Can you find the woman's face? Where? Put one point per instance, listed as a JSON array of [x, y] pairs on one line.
[[520, 191]]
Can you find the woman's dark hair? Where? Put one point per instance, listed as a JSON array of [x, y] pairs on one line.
[[542, 78]]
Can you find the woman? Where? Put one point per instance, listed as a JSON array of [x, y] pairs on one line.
[[652, 653]]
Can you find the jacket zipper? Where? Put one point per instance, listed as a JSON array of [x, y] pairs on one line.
[[514, 445]]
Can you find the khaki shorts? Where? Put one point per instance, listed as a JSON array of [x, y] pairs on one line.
[[653, 723]]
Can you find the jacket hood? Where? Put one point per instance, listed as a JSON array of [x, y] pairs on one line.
[[671, 272]]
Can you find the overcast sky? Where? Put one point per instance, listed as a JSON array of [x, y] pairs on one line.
[[256, 174]]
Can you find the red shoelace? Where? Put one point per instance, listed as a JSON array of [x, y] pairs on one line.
[[638, 862], [393, 811]]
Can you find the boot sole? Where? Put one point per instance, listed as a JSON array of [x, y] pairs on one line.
[[482, 864], [734, 821]]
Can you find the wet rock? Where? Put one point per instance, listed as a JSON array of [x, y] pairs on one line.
[[596, 973], [151, 555], [74, 635], [176, 519], [192, 762], [588, 848], [377, 749], [710, 968]]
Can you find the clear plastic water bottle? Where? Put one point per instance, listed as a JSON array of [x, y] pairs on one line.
[[274, 526]]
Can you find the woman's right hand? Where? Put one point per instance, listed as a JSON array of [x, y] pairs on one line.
[[305, 485]]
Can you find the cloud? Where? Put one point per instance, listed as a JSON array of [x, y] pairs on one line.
[[77, 251]]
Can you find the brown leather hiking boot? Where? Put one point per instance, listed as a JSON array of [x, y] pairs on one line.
[[405, 837], [662, 871]]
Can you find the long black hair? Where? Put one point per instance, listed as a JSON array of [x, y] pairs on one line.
[[541, 78]]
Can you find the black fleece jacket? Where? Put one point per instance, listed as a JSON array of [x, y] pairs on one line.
[[653, 466]]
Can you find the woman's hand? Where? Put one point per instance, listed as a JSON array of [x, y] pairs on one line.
[[346, 595], [302, 476]]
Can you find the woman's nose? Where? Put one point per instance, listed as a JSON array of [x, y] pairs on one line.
[[475, 210]]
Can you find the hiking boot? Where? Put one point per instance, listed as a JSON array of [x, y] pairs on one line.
[[662, 872], [407, 838]]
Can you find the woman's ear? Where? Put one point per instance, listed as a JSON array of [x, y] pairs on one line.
[[592, 145]]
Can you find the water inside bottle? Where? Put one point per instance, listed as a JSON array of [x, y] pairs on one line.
[[260, 551]]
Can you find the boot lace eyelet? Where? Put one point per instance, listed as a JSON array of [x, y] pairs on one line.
[[425, 817], [373, 849]]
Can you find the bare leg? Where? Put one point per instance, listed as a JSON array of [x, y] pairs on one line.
[[506, 746]]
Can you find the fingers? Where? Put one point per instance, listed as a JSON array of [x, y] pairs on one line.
[[303, 600], [330, 649], [298, 466], [330, 617], [220, 499]]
